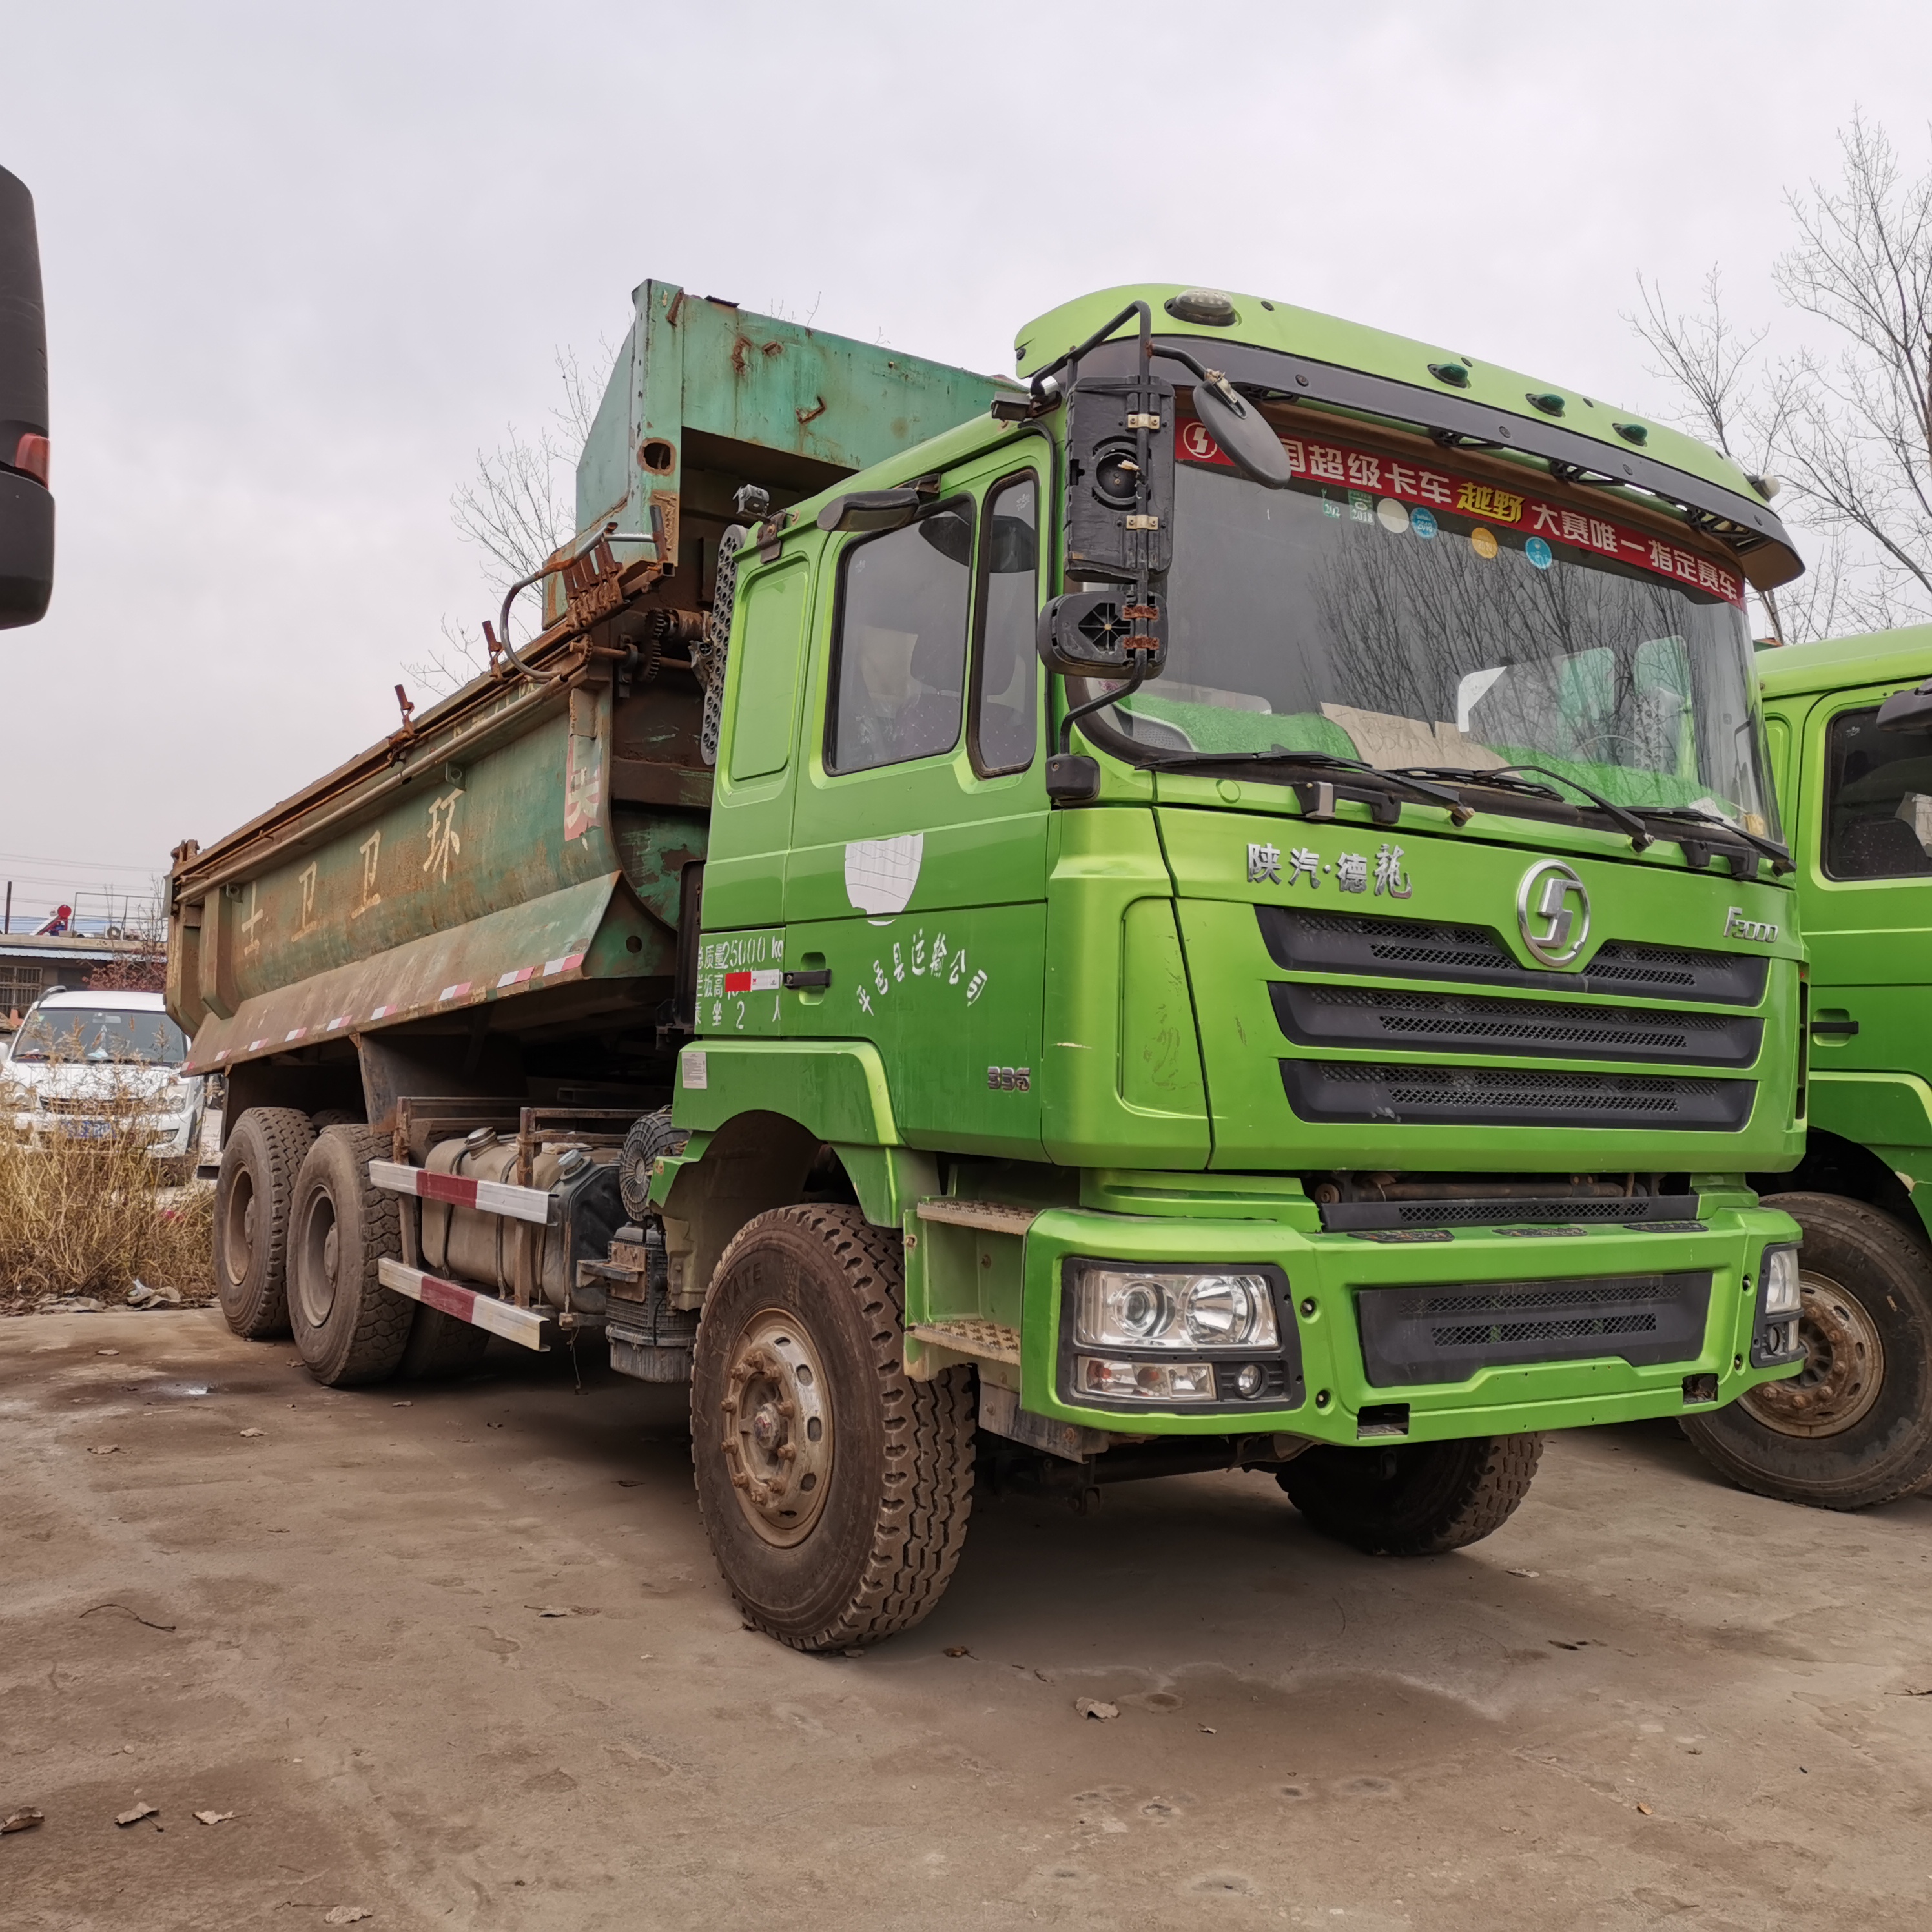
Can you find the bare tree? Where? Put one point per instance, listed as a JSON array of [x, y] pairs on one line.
[[517, 508], [1856, 433], [1713, 366], [1850, 434]]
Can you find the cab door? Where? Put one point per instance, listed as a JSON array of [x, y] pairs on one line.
[[917, 875], [1864, 859]]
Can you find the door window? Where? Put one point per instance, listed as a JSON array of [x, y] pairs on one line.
[[1878, 799], [898, 665], [1006, 685]]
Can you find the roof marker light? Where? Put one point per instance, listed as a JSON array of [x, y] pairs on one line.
[[1208, 306]]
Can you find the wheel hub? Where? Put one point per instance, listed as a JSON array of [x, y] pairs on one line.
[[313, 1275], [1844, 1366], [238, 1247], [777, 1427]]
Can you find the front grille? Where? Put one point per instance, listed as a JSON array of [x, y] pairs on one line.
[[1445, 1334], [1371, 1016], [1672, 1210], [1411, 949], [1370, 1091]]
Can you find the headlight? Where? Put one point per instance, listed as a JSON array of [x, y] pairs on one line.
[[1781, 1295], [1118, 1308]]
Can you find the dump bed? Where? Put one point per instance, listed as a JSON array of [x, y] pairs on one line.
[[511, 863]]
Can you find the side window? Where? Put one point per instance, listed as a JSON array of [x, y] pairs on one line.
[[899, 666], [1878, 799], [1007, 681], [765, 672]]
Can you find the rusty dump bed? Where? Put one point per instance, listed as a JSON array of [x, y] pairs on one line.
[[494, 891]]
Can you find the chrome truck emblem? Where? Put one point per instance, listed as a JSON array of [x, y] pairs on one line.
[[1552, 912]]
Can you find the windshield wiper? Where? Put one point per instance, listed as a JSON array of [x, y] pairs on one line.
[[1497, 779], [1459, 813], [1780, 856], [1627, 822]]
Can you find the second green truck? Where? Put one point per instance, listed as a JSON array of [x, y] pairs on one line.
[[1218, 905]]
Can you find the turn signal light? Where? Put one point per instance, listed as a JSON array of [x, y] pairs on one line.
[[33, 455]]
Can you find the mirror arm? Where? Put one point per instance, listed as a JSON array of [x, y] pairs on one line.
[[1135, 679]]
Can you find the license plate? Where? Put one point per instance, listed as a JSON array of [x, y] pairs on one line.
[[88, 1130]]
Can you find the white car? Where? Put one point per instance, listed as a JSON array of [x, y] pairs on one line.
[[79, 1057]]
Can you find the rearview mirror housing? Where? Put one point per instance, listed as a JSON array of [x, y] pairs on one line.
[[1107, 419], [1246, 437], [1085, 635]]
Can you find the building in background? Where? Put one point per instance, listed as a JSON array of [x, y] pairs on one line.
[[31, 964]]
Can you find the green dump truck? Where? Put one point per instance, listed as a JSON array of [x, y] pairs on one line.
[[1217, 905], [1849, 725]]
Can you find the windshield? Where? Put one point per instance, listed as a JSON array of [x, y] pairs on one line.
[[101, 1035], [1425, 618]]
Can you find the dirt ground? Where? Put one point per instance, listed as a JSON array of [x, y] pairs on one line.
[[1649, 1701]]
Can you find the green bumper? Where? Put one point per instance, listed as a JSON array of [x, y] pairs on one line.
[[1328, 1274]]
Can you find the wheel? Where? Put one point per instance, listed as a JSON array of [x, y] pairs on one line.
[[1413, 1498], [349, 1328], [1853, 1427], [440, 1348], [334, 1117], [253, 1193], [835, 1489]]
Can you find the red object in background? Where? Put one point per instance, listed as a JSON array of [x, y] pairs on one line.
[[57, 925]]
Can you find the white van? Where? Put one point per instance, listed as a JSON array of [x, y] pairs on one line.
[[77, 1054]]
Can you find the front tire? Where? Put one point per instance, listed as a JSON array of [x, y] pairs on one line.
[[253, 1198], [1413, 1498], [1853, 1427], [349, 1328], [834, 1490]]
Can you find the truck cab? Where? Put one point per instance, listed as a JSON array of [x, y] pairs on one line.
[[1334, 1042], [1850, 739]]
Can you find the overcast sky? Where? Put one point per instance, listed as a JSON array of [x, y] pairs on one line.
[[302, 264]]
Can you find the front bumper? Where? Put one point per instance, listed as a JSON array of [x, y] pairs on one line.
[[1332, 1392], [166, 1136]]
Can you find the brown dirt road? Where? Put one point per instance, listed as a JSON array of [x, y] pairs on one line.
[[333, 1629]]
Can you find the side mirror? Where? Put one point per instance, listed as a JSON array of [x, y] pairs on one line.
[[1085, 635], [1907, 710], [871, 511], [26, 506], [1108, 419], [1246, 437]]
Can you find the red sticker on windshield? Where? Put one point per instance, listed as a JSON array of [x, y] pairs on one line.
[[1365, 475]]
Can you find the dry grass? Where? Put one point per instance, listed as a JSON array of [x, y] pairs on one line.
[[93, 1216]]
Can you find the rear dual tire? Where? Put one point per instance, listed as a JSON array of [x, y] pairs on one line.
[[350, 1329], [253, 1197]]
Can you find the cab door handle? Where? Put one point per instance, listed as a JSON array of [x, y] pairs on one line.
[[1834, 1029]]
